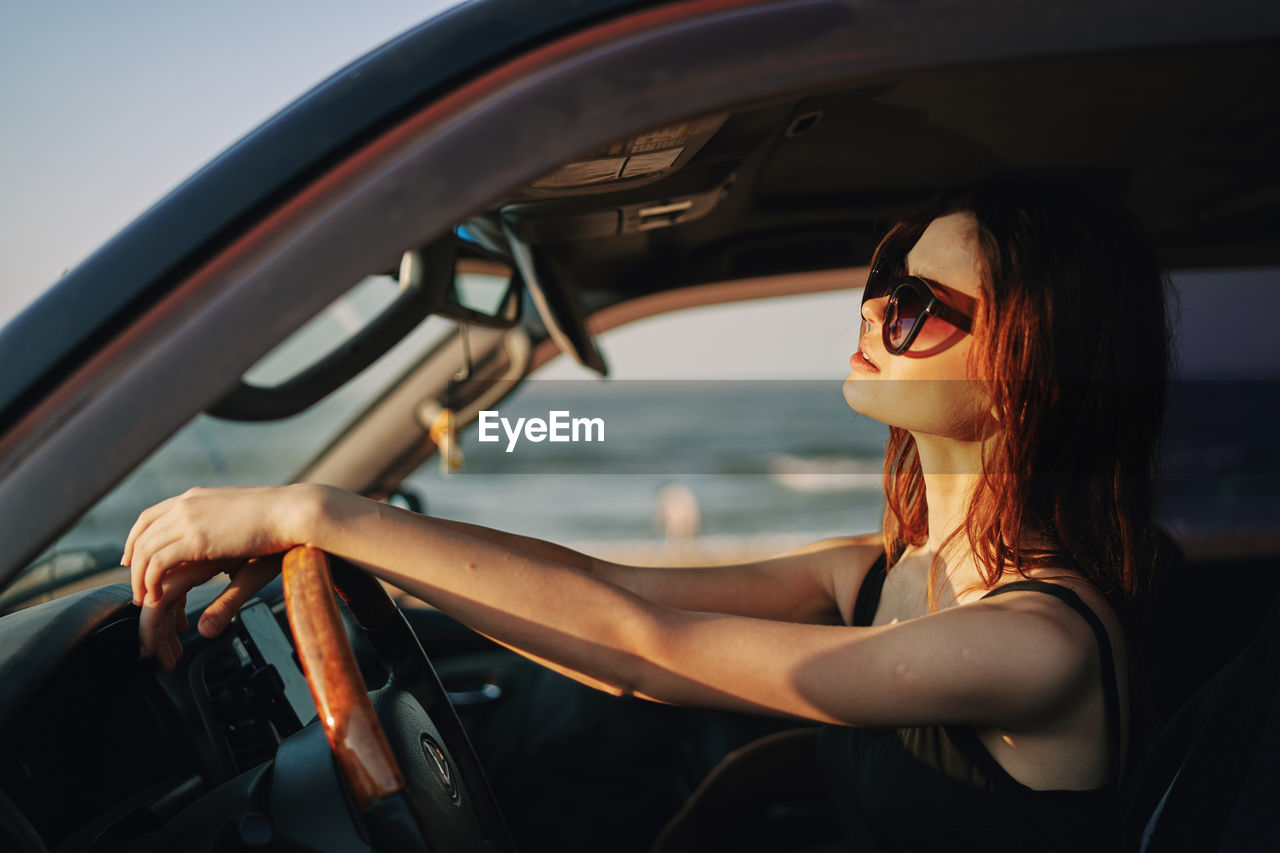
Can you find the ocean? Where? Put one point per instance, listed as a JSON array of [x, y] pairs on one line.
[[767, 456], [790, 457]]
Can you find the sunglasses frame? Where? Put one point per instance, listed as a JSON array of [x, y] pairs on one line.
[[879, 284]]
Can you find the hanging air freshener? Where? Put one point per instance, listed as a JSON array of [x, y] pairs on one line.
[[444, 433]]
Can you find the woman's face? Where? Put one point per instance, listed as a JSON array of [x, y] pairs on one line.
[[927, 389]]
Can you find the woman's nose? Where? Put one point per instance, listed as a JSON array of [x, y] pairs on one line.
[[873, 309]]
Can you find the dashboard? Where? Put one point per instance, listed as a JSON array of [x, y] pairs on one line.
[[101, 747], [106, 753]]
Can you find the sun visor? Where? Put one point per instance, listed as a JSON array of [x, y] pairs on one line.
[[542, 224], [638, 160]]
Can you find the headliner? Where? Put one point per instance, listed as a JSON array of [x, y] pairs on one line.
[[1173, 134]]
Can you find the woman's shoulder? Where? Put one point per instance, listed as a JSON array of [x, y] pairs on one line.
[[1043, 584], [1043, 578], [1091, 635], [1077, 608], [845, 563], [857, 540], [855, 553]]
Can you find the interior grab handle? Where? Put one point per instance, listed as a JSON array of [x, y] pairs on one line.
[[483, 695]]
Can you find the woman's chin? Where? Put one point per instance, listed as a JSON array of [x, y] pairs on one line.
[[860, 395]]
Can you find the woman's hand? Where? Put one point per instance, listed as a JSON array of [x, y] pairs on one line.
[[160, 624], [185, 541], [204, 525]]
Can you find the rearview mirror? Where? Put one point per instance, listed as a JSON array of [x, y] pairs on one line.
[[482, 292], [434, 279]]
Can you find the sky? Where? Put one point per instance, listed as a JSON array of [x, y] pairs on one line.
[[108, 106]]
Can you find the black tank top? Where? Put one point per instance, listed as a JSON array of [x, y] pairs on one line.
[[937, 787]]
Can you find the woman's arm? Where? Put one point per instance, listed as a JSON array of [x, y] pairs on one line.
[[816, 583], [999, 661]]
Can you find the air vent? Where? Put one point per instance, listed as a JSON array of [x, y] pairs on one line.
[[240, 710], [251, 742]]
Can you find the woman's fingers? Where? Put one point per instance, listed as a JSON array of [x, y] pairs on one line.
[[167, 560], [206, 524], [160, 620], [161, 628], [144, 571], [134, 557], [169, 646], [245, 583], [185, 540], [175, 651], [150, 621], [164, 620], [145, 518]]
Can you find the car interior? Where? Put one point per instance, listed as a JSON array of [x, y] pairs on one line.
[[765, 197]]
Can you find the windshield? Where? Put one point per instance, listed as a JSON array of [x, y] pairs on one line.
[[210, 451]]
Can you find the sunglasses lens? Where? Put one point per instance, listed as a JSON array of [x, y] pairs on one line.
[[903, 313]]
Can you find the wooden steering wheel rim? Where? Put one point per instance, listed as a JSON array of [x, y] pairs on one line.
[[350, 724]]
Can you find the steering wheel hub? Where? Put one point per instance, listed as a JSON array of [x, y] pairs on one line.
[[440, 764]]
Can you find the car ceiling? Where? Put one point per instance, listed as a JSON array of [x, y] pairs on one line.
[[1181, 136]]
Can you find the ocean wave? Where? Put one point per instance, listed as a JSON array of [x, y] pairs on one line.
[[825, 473]]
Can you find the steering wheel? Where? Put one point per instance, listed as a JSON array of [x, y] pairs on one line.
[[422, 789]]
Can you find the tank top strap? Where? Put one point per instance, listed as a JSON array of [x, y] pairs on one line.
[[1110, 687], [864, 606]]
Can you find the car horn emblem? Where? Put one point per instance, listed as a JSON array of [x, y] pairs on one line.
[[439, 764]]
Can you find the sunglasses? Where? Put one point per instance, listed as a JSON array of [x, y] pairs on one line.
[[912, 301]]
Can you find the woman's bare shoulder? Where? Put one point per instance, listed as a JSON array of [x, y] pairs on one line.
[[856, 542], [841, 563], [1068, 617], [1077, 583]]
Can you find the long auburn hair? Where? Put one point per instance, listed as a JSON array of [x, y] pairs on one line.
[[1073, 344]]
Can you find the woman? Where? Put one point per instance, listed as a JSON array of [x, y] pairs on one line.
[[976, 694]]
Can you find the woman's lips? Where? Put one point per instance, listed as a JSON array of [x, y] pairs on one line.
[[860, 362]]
